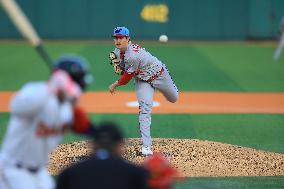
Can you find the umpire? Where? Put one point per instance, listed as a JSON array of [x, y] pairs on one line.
[[105, 169]]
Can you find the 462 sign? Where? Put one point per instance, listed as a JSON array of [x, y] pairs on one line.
[[155, 13]]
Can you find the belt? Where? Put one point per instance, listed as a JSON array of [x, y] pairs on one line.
[[156, 76], [30, 169]]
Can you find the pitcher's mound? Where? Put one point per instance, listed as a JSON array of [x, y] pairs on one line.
[[190, 157]]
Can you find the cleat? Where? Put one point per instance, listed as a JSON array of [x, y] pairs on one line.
[[146, 151]]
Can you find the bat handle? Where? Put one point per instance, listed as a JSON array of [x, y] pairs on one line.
[[41, 50]]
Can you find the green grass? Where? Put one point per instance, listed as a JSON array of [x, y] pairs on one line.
[[3, 125], [232, 183], [260, 131], [264, 132], [244, 67], [194, 66]]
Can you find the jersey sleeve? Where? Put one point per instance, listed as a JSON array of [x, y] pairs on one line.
[[125, 78], [81, 122], [28, 101]]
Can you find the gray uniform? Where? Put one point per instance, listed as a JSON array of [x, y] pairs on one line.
[[150, 74]]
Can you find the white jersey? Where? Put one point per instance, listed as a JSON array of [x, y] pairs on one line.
[[139, 61], [27, 141]]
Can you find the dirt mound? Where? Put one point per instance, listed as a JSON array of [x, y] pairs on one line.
[[191, 157]]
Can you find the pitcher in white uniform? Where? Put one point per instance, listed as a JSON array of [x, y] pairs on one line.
[[40, 113], [131, 60]]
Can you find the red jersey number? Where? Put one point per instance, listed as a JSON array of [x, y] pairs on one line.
[[136, 47]]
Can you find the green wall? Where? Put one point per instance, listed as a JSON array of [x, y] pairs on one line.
[[179, 19], [264, 17]]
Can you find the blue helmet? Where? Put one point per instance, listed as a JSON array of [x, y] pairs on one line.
[[76, 67], [120, 31]]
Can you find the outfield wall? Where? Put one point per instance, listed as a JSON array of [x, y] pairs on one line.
[[180, 19]]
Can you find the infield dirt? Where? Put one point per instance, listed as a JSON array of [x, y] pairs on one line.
[[193, 158], [189, 102]]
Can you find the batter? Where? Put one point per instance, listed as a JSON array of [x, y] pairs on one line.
[[41, 112]]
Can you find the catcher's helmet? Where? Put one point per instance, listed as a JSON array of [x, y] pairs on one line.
[[76, 67]]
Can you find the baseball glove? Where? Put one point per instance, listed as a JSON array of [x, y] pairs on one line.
[[114, 61]]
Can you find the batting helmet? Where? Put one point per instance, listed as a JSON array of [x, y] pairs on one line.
[[76, 67]]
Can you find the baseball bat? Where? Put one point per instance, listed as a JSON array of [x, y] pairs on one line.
[[25, 28]]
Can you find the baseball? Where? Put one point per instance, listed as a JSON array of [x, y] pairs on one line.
[[163, 38]]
